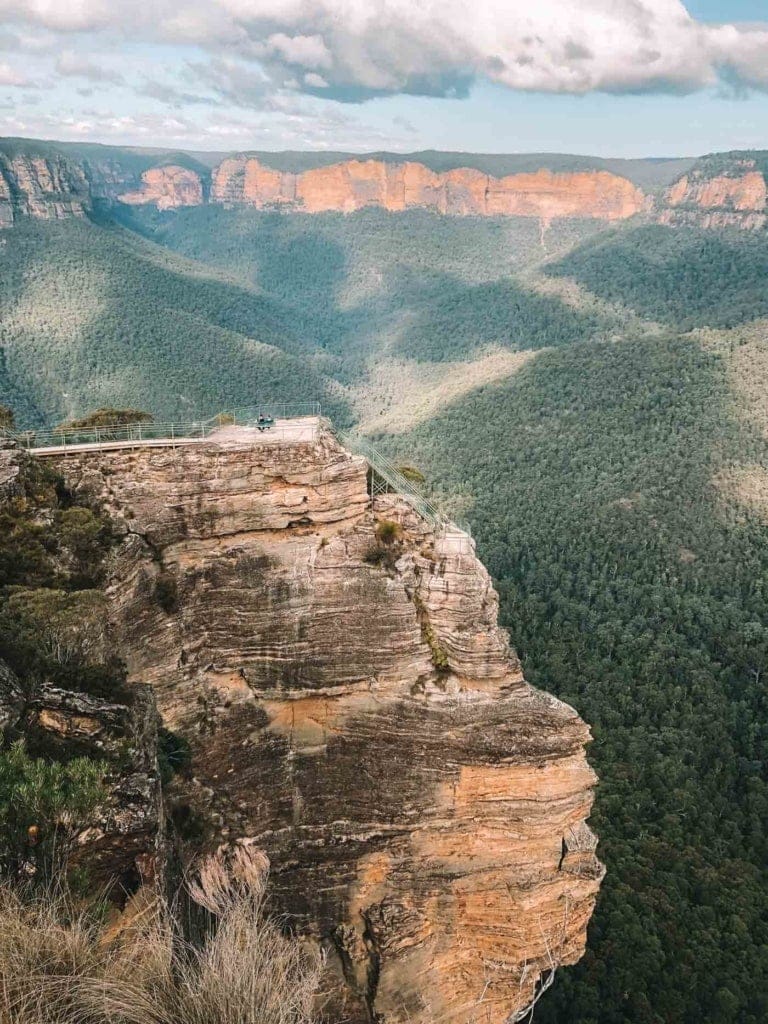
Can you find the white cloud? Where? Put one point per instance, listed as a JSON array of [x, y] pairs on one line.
[[360, 48], [75, 65], [10, 76]]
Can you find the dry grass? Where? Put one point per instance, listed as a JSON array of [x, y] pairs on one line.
[[58, 968]]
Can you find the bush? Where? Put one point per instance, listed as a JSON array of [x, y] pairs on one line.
[[173, 754], [108, 417], [6, 418], [59, 967], [43, 804], [387, 531], [413, 475], [167, 592]]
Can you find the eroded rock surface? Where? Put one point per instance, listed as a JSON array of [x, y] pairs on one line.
[[168, 188], [46, 188], [352, 705], [737, 199], [354, 184]]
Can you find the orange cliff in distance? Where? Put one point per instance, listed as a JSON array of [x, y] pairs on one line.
[[354, 184], [168, 188], [737, 199]]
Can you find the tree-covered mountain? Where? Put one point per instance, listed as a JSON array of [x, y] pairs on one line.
[[94, 315], [592, 398]]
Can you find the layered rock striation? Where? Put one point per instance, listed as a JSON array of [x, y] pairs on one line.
[[355, 184], [168, 188], [737, 199], [721, 191], [46, 188], [352, 706]]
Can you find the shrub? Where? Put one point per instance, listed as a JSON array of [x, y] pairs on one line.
[[107, 417], [413, 475], [6, 418], [224, 419], [388, 531], [43, 804], [167, 592], [59, 967], [173, 754]]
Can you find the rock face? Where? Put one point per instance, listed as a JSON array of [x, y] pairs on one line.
[[352, 705], [46, 188], [168, 188], [734, 200], [354, 184]]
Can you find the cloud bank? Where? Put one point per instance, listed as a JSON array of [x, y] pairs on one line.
[[355, 49]]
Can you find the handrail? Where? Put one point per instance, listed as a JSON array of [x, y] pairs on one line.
[[64, 437], [383, 467]]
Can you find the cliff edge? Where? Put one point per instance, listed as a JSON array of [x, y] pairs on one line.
[[351, 704]]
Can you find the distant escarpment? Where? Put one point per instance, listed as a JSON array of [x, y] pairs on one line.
[[46, 188], [167, 188], [44, 182], [336, 671], [355, 184], [717, 194]]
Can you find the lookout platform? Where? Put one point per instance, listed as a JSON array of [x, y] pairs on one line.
[[297, 429]]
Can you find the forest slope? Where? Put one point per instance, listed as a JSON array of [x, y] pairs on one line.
[[637, 591]]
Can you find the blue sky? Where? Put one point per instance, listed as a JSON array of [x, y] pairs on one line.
[[606, 77]]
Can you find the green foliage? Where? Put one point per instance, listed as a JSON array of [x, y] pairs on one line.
[[458, 319], [634, 591], [108, 418], [173, 754], [6, 418], [684, 277], [416, 283], [412, 475], [43, 804], [52, 555], [388, 531], [93, 314]]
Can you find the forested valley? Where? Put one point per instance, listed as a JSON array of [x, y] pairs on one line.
[[597, 476]]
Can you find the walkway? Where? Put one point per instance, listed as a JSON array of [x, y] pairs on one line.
[[300, 429]]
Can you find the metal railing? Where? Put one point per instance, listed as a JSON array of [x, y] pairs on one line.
[[385, 475], [390, 478], [178, 430]]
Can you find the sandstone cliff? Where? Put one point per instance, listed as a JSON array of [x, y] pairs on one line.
[[167, 188], [352, 705], [721, 191], [47, 188], [733, 199], [355, 184]]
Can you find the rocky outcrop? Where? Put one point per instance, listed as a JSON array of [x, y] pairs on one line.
[[46, 188], [352, 706], [167, 188], [354, 184], [736, 199]]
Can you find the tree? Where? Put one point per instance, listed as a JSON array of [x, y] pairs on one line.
[[43, 805]]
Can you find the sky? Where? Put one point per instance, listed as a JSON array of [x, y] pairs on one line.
[[621, 78]]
